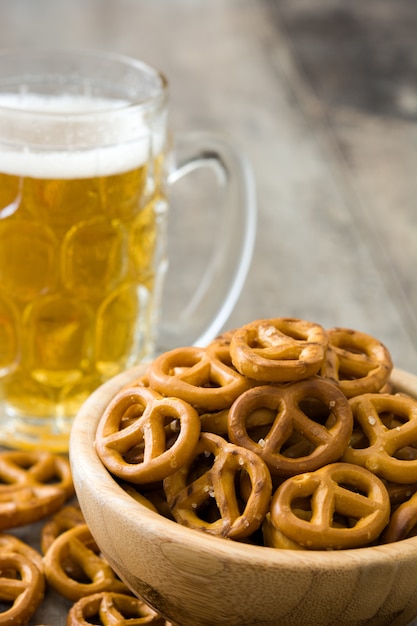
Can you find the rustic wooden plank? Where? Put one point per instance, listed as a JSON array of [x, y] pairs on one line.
[[356, 63]]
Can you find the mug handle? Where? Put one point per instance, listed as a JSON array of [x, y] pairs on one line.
[[203, 315]]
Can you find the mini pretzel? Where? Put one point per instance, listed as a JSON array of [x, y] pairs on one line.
[[382, 454], [399, 493], [403, 522], [22, 586], [189, 494], [205, 378], [223, 340], [112, 609], [327, 440], [357, 362], [33, 485], [66, 518], [78, 544], [335, 491], [10, 543], [215, 422], [152, 420], [273, 538], [278, 350]]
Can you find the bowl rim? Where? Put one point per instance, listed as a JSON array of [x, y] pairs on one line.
[[85, 463]]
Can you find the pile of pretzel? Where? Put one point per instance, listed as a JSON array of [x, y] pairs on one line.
[[37, 487], [278, 433]]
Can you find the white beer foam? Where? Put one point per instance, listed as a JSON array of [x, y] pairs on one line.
[[44, 162], [61, 104]]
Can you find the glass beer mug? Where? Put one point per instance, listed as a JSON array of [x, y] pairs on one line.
[[87, 160]]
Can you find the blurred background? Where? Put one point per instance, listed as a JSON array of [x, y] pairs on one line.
[[321, 97]]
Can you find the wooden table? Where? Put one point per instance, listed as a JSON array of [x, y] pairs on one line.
[[321, 98]]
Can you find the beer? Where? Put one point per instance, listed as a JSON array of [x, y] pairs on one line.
[[81, 264]]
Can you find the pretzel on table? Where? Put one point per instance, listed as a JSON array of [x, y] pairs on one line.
[[22, 587], [335, 491], [157, 420], [10, 543], [358, 363], [382, 452], [64, 519], [279, 349], [33, 485], [288, 415], [78, 545], [189, 494], [112, 609]]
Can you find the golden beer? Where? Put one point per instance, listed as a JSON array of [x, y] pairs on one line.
[[86, 156], [81, 262]]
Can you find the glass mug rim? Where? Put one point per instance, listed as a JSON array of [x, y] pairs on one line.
[[99, 100], [159, 94]]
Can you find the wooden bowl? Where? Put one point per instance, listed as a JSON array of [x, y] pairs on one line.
[[195, 579]]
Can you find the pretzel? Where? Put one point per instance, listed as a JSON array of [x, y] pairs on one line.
[[22, 587], [399, 493], [215, 422], [188, 495], [33, 485], [112, 609], [335, 490], [66, 518], [284, 456], [78, 544], [223, 340], [356, 362], [10, 543], [157, 419], [205, 378], [274, 538], [403, 521], [382, 453], [278, 350]]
